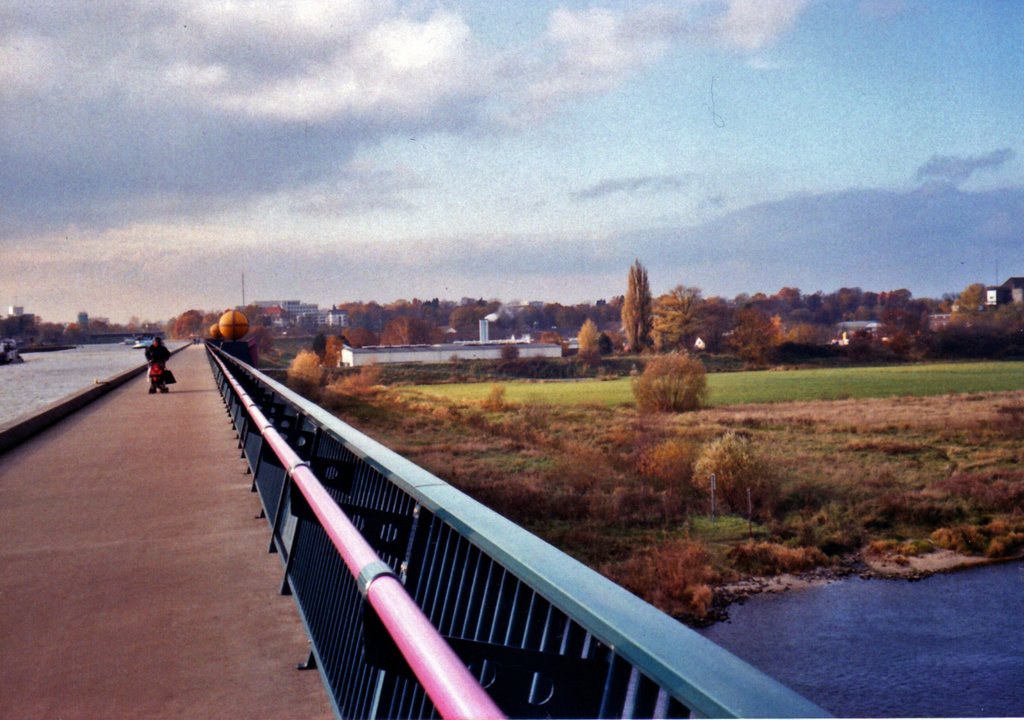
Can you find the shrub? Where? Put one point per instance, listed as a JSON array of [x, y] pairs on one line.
[[357, 385], [304, 373], [1005, 546], [674, 577], [966, 539], [764, 558], [834, 529], [671, 383], [737, 466], [669, 464], [996, 489], [997, 539], [495, 400]]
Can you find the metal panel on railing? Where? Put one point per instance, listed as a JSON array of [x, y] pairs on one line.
[[544, 635]]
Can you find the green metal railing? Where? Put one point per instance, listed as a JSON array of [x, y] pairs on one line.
[[545, 635]]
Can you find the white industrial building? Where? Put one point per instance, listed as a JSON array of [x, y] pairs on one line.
[[382, 354]]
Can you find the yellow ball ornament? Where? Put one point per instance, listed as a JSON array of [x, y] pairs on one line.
[[214, 332], [233, 325]]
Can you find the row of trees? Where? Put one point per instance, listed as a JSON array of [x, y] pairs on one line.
[[757, 327]]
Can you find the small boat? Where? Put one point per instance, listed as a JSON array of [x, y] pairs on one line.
[[142, 342], [9, 352]]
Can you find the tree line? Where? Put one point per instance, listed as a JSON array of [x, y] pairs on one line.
[[759, 327]]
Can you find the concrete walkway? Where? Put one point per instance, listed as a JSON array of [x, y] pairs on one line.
[[134, 578]]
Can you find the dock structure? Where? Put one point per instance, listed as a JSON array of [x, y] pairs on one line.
[[134, 575]]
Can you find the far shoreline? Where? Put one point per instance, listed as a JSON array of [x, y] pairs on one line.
[[863, 565]]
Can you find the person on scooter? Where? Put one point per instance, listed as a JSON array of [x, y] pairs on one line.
[[157, 354]]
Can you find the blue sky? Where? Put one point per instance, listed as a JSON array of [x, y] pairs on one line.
[[338, 151]]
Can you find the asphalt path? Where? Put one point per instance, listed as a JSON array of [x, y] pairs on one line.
[[134, 575]]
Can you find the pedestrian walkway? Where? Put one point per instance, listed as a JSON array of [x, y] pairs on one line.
[[134, 577]]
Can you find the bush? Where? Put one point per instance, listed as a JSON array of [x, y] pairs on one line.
[[763, 558], [355, 385], [964, 539], [669, 464], [737, 466], [993, 489], [674, 577], [304, 373], [671, 383], [997, 539], [495, 400]]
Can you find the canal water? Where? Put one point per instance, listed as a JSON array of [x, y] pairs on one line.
[[951, 645], [48, 376]]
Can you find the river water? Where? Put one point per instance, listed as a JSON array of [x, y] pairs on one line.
[[48, 376], [951, 645]]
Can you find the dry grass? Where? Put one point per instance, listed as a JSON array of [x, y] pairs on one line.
[[765, 558], [618, 489], [675, 576]]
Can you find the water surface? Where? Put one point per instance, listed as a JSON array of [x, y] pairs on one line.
[[48, 376], [951, 645]]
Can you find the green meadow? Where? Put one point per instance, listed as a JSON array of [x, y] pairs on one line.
[[766, 386]]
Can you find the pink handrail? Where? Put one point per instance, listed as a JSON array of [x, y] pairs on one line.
[[445, 678]]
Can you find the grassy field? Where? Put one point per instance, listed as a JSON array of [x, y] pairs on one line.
[[765, 386], [839, 463]]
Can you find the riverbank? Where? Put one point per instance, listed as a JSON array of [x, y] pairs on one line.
[[948, 645], [44, 348], [865, 565]]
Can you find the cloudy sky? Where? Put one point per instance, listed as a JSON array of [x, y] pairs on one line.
[[150, 153]]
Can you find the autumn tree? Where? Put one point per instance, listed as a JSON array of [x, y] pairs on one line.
[[676, 318], [361, 337], [187, 324], [589, 342], [716, 322], [408, 331], [971, 300], [466, 318], [332, 351], [636, 309], [754, 336]]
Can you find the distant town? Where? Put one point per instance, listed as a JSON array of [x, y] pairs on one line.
[[981, 320]]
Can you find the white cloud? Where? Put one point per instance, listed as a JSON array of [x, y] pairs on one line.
[[27, 63], [754, 24], [593, 51], [596, 49], [400, 68]]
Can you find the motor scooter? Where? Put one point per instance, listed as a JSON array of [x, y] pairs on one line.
[[158, 378]]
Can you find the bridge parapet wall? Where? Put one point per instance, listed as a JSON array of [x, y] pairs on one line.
[[542, 633]]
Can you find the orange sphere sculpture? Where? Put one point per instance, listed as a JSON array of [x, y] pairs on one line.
[[214, 332], [233, 325]]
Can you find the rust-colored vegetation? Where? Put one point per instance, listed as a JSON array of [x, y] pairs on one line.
[[628, 493]]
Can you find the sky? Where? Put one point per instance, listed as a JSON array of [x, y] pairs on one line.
[[151, 154]]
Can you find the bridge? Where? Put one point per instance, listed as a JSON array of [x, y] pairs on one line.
[[232, 550]]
